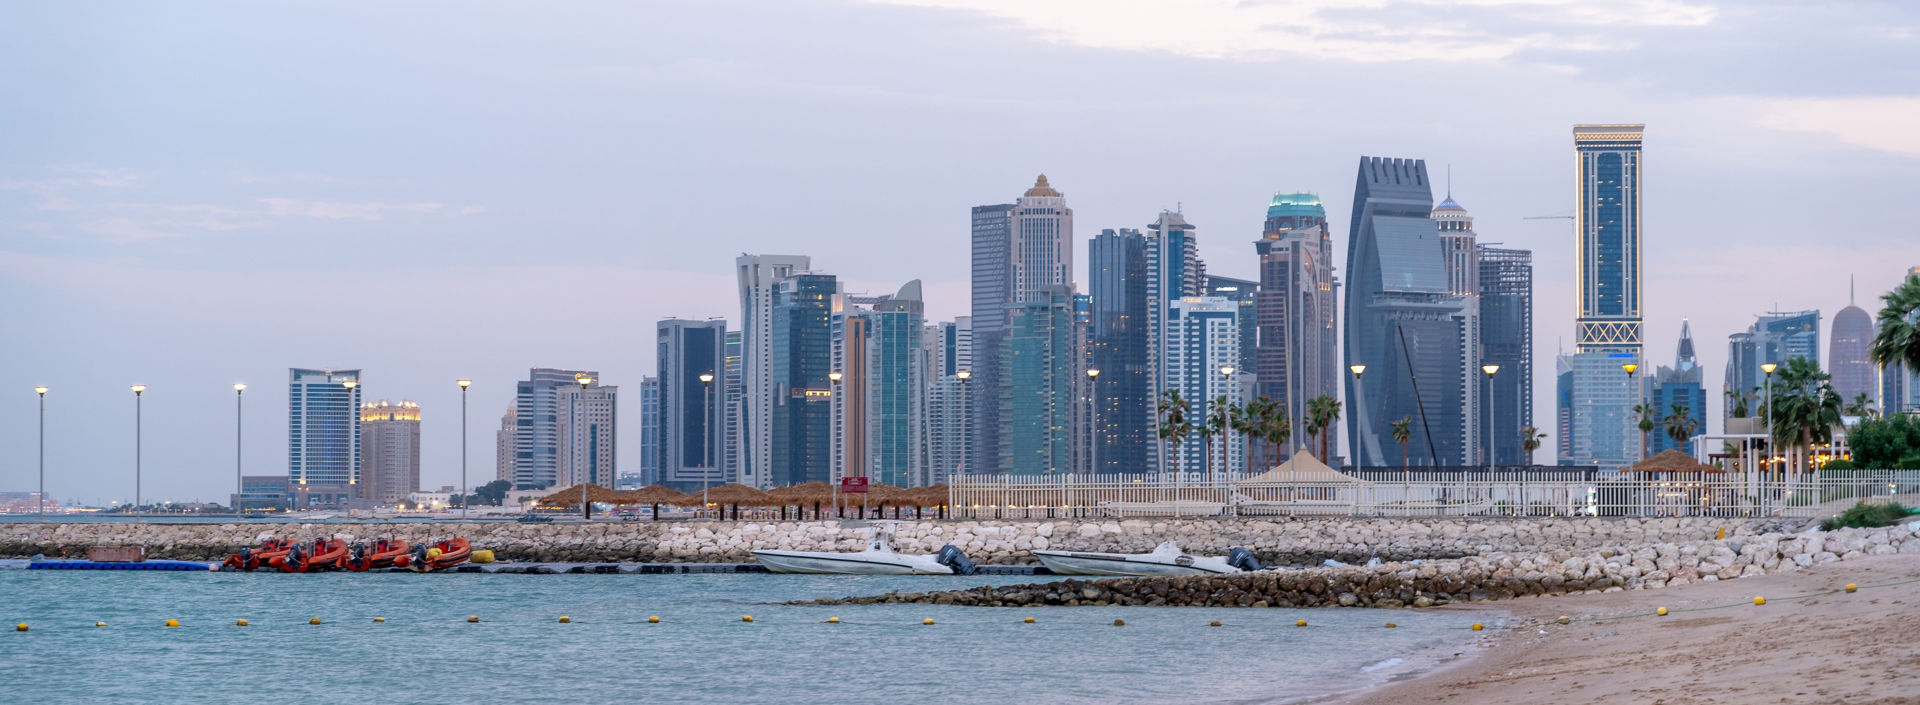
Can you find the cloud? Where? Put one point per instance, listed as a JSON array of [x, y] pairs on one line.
[[335, 210], [1885, 124]]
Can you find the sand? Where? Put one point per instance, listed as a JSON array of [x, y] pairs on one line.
[[1861, 648]]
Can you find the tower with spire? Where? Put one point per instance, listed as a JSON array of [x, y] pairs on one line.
[[1847, 360], [1678, 390]]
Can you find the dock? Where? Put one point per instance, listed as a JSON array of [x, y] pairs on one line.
[[504, 567]]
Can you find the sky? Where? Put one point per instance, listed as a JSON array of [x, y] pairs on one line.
[[194, 194]]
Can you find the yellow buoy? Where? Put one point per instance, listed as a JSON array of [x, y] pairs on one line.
[[1119, 622], [746, 618], [99, 624], [1759, 600], [1214, 623], [1028, 620], [173, 622], [1662, 611], [315, 620], [480, 556], [1299, 622], [928, 620], [1564, 619], [1478, 626], [1723, 534], [1391, 625], [433, 553], [237, 623], [379, 619], [653, 620], [833, 620], [473, 618], [565, 619], [21, 627], [1852, 587]]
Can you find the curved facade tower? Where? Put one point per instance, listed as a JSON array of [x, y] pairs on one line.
[[1295, 360], [1847, 354]]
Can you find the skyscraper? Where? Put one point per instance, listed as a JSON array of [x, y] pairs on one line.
[[757, 276], [692, 417], [1204, 337], [896, 410], [949, 351], [1295, 359], [1117, 280], [537, 435], [992, 293], [802, 393], [649, 430], [1242, 293], [584, 421], [1847, 360], [1415, 337], [503, 439], [1607, 225], [850, 416], [1678, 386], [1174, 272], [390, 451], [1774, 337], [1506, 339], [323, 436], [1035, 403]]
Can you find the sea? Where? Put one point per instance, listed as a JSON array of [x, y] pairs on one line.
[[701, 651]]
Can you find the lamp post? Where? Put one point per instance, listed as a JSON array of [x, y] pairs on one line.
[[465, 498], [1488, 401], [706, 449], [579, 403], [1093, 420], [1357, 370], [137, 389], [239, 487], [42, 391], [352, 408], [966, 405], [1226, 419], [1766, 411], [1630, 367]]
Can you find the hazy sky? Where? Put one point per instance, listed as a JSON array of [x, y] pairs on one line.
[[197, 194]]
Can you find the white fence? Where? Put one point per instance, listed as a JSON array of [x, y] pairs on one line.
[[1432, 494]]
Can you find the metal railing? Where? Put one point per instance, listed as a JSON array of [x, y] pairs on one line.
[[1430, 493]]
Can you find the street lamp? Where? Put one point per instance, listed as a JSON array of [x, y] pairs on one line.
[[833, 379], [1766, 412], [966, 405], [1630, 367], [137, 389], [586, 509], [42, 391], [1488, 401], [465, 498], [706, 449], [239, 487], [1226, 419], [1093, 420], [352, 478]]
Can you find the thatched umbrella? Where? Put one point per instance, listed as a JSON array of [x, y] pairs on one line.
[[1671, 460], [656, 495], [807, 493], [734, 494], [570, 497]]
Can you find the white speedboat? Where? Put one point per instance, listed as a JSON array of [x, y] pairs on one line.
[[1165, 559], [878, 558]]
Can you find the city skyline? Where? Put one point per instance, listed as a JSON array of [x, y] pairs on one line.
[[126, 262]]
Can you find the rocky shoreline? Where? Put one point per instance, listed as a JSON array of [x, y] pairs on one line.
[[1495, 575]]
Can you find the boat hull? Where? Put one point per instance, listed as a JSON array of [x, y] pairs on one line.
[[1121, 564], [849, 563]]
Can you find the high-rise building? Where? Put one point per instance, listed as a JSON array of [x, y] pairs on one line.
[[649, 430], [896, 410], [733, 395], [1417, 340], [1174, 272], [1203, 339], [1295, 359], [1678, 388], [390, 451], [1563, 407], [1035, 403], [802, 338], [852, 451], [1117, 280], [1506, 339], [584, 421], [993, 292], [1607, 256], [1774, 337], [758, 275], [323, 436], [692, 417], [949, 352], [537, 435], [1847, 359], [503, 440], [1242, 292]]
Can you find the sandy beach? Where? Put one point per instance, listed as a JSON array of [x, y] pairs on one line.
[[1860, 648]]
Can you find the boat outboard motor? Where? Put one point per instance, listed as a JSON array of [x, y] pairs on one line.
[[419, 562], [296, 555], [951, 557], [1240, 557]]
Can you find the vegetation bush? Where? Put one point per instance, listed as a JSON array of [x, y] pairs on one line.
[[1910, 462], [1840, 465], [1884, 442], [1865, 515]]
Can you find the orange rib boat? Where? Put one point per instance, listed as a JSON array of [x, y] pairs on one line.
[[384, 553], [324, 554], [440, 556], [251, 558]]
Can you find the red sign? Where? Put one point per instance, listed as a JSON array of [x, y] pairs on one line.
[[853, 485]]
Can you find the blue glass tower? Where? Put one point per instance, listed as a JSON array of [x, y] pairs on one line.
[[802, 394], [1678, 386], [323, 435], [1607, 282], [1117, 277]]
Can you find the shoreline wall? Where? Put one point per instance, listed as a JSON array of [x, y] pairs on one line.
[[1303, 541]]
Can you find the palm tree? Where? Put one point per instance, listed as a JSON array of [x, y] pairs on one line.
[[1680, 424], [1530, 441], [1322, 412], [1402, 433], [1215, 424], [1897, 338], [1277, 427], [1252, 415], [1862, 406], [1174, 426], [1739, 404], [1805, 407], [1645, 412]]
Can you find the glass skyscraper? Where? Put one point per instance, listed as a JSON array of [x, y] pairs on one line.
[[1607, 258], [1117, 280], [692, 413], [323, 435], [1203, 337], [1295, 358], [1774, 337], [1040, 367], [1506, 339], [649, 430], [1679, 385], [537, 434], [1847, 358], [802, 396], [895, 407], [992, 233]]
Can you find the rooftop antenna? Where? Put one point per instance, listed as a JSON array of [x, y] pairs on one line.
[[1449, 181], [1849, 290]]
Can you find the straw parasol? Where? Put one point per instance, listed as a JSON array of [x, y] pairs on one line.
[[807, 493], [570, 497], [656, 495], [732, 493], [1671, 460]]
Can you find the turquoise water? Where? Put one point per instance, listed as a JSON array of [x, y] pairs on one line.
[[701, 652]]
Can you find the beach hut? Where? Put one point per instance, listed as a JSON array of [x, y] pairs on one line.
[[731, 494], [1302, 485], [1672, 483], [655, 495], [570, 497]]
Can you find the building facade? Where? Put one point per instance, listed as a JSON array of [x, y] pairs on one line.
[[692, 417], [585, 421], [1607, 258], [802, 336], [1295, 359], [896, 407], [1117, 281], [758, 276], [390, 451], [992, 294], [1847, 359], [1242, 292], [537, 433], [1174, 272], [323, 435], [1035, 403], [649, 430], [1506, 339], [1773, 338], [1678, 390], [1203, 349], [503, 445], [949, 352]]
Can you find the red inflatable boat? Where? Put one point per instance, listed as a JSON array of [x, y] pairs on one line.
[[251, 558], [324, 554], [384, 553], [440, 556]]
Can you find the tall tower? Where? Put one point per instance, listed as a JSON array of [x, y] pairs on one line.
[[1607, 256], [992, 229], [1847, 357], [323, 436], [1203, 337], [649, 430], [584, 420], [1117, 280], [801, 392], [1506, 339], [757, 275], [1295, 359], [1042, 242], [537, 435], [692, 413], [1174, 272], [390, 456], [1679, 386]]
